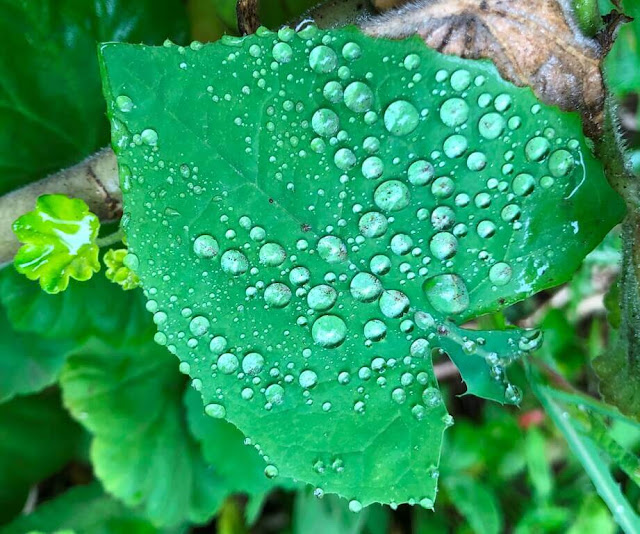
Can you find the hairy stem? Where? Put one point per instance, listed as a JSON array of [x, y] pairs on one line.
[[619, 369], [95, 180]]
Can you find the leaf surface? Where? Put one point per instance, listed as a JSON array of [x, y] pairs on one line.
[[85, 510], [51, 113], [130, 399], [313, 213], [28, 363], [37, 438]]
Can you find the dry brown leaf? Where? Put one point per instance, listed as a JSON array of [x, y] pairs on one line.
[[532, 42]]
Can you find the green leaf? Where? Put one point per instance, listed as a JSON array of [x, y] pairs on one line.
[[85, 510], [130, 399], [119, 269], [59, 239], [538, 466], [333, 514], [621, 64], [51, 110], [591, 458], [93, 308], [240, 468], [38, 438], [312, 219], [477, 503], [28, 363], [593, 516]]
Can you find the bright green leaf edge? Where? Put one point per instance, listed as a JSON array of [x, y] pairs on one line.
[[378, 470]]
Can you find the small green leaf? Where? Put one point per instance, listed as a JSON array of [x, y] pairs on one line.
[[477, 503], [130, 399], [59, 239], [37, 439], [85, 510], [538, 466], [313, 213], [28, 363], [119, 269]]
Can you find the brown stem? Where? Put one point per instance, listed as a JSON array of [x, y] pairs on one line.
[[95, 180], [247, 16]]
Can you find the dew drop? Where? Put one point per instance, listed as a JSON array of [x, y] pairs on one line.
[[282, 52], [454, 112], [227, 363], [234, 262], [325, 122], [358, 97], [272, 254], [393, 303], [199, 325], [217, 411], [277, 295], [329, 331], [252, 363], [375, 329], [447, 293], [308, 379], [323, 59], [206, 247], [443, 245], [420, 172], [401, 118], [500, 274], [332, 249], [392, 195], [321, 297], [365, 287]]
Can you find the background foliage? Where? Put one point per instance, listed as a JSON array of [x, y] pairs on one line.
[[76, 367]]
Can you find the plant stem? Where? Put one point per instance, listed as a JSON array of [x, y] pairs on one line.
[[110, 239], [619, 369]]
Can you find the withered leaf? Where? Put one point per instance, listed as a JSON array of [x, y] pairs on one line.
[[533, 43]]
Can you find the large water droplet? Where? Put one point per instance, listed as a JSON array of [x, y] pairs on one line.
[[323, 59], [329, 331], [272, 254], [401, 118], [252, 363], [358, 97], [454, 112], [365, 287], [373, 224], [392, 195], [206, 247], [321, 297], [447, 293], [277, 295], [234, 262], [325, 122], [332, 249], [393, 303]]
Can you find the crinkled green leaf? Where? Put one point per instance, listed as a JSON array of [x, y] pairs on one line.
[[313, 213], [28, 363], [130, 399], [51, 111], [85, 510], [118, 269], [59, 239], [94, 308], [37, 438]]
